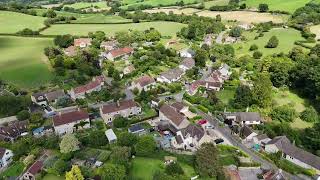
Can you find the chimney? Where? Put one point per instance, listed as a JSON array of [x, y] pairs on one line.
[[60, 113], [78, 109], [118, 103], [247, 110]]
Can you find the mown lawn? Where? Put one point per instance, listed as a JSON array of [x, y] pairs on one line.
[[13, 171], [171, 28], [227, 94], [82, 5], [144, 168], [12, 22], [52, 177], [22, 61], [286, 37], [282, 5]]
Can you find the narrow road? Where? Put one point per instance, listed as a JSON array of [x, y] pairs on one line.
[[226, 132]]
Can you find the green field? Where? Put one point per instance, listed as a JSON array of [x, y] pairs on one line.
[[286, 37], [22, 61], [88, 18], [12, 22], [13, 170], [154, 3], [52, 177], [208, 4], [83, 5], [165, 28], [282, 5], [316, 30], [285, 97], [144, 168]]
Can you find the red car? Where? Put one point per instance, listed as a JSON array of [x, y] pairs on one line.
[[202, 121]]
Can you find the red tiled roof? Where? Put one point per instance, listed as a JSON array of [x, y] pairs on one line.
[[91, 85], [120, 52], [122, 105], [172, 114], [69, 117], [36, 167], [145, 80], [77, 42]]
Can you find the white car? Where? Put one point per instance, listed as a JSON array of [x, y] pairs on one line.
[[209, 127]]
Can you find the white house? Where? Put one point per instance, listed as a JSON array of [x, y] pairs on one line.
[[293, 154], [111, 136], [190, 138], [187, 63], [123, 108], [247, 134], [143, 83], [67, 122], [5, 157], [171, 75], [80, 91], [170, 114], [44, 98], [261, 139], [248, 118], [82, 42], [109, 45]]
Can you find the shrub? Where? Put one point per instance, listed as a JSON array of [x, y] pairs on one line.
[[23, 115], [309, 115], [253, 47], [263, 7], [236, 32], [273, 42], [283, 113], [173, 169], [120, 122], [257, 54]]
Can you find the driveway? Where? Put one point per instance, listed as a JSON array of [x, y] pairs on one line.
[[178, 97]]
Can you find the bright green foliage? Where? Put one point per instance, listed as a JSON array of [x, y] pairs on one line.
[[145, 146], [283, 113], [309, 115], [74, 174], [69, 143]]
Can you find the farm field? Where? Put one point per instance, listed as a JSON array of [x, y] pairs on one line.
[[83, 5], [12, 22], [245, 16], [289, 6], [316, 30], [154, 3], [286, 37], [82, 29], [241, 16], [22, 61], [144, 168], [88, 18], [208, 4]]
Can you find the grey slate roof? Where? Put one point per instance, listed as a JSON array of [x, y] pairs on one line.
[[248, 116]]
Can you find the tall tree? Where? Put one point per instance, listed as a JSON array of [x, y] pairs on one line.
[[262, 90], [243, 97], [69, 143], [74, 174]]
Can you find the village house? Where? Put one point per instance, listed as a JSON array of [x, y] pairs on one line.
[[44, 98], [143, 83], [187, 63], [82, 42], [5, 157], [293, 154], [129, 69], [244, 118], [124, 108], [118, 53], [13, 130], [66, 122], [247, 133], [109, 45], [111, 136], [170, 114], [190, 138], [94, 85], [170, 76], [187, 53], [261, 139], [33, 170], [70, 51]]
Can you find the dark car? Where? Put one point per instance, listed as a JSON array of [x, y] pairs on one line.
[[218, 141]]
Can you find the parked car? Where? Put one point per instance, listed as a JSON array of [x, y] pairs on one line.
[[218, 141], [202, 122], [209, 127]]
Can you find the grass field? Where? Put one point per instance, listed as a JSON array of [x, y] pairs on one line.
[[12, 22], [12, 171], [82, 29], [208, 4], [52, 177], [227, 94], [83, 5], [282, 5], [22, 61], [316, 30], [88, 18], [285, 97], [286, 37], [144, 168], [154, 3]]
